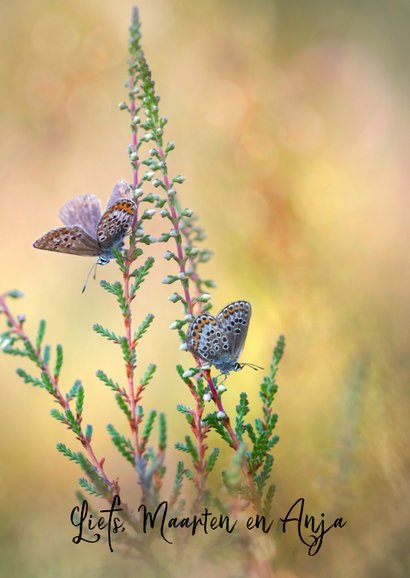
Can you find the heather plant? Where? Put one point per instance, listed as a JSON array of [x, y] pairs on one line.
[[247, 483]]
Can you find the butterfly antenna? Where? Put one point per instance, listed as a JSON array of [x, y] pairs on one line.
[[254, 366], [88, 276]]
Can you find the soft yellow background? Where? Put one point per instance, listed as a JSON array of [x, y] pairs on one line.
[[291, 123]]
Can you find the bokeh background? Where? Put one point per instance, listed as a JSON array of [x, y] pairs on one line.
[[291, 123]]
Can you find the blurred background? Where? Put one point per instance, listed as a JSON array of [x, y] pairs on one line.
[[291, 124]]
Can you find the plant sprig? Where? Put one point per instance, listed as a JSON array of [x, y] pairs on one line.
[[153, 190]]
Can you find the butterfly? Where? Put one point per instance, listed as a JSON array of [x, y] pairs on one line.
[[89, 233], [219, 340]]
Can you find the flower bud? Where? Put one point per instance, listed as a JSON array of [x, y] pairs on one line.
[[189, 373], [168, 279], [168, 255]]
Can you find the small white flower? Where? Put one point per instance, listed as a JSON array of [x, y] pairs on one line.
[[221, 415], [203, 298], [221, 388], [168, 280], [183, 347], [5, 343], [207, 397], [188, 373]]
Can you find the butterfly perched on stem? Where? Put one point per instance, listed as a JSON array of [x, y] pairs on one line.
[[219, 340], [89, 233]]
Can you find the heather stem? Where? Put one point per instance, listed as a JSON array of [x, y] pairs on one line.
[[63, 402], [129, 366], [180, 253]]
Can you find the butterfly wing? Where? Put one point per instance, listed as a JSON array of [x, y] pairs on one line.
[[120, 192], [203, 339], [72, 240], [234, 322], [85, 211], [115, 223]]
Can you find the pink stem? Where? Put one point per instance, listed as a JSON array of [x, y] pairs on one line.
[[17, 327]]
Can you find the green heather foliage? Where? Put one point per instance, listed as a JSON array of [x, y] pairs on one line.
[[143, 442]]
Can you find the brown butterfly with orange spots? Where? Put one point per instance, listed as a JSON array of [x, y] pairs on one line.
[[89, 233]]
